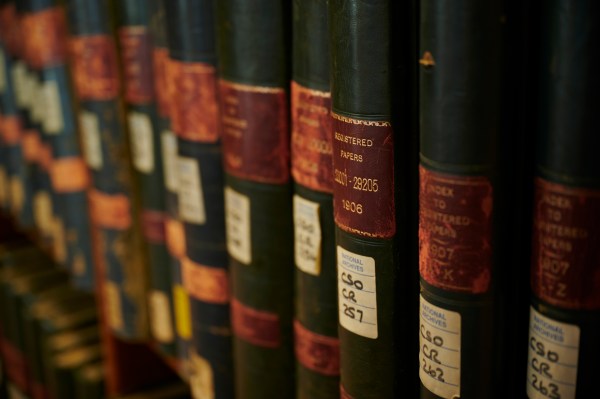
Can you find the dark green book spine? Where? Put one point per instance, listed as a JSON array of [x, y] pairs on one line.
[[316, 317], [565, 310], [138, 71], [253, 48], [372, 146], [204, 268], [114, 199], [463, 213], [174, 235]]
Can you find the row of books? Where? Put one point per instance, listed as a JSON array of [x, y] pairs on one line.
[[328, 234]]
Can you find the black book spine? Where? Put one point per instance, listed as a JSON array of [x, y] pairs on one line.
[[316, 317], [371, 171], [252, 41], [113, 198], [205, 267], [565, 309], [464, 213], [136, 51], [167, 36]]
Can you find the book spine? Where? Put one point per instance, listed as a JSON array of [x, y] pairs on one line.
[[14, 123], [371, 197], [316, 316], [67, 173], [565, 308], [462, 214], [138, 71], [204, 269], [113, 199], [252, 44]]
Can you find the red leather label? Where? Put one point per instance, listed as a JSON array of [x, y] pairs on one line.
[[565, 269], [31, 145], [10, 29], [69, 175], [363, 190], [255, 326], [255, 132], [94, 67], [10, 129], [45, 156], [136, 56], [207, 284], [455, 231], [160, 60], [312, 165], [195, 101], [153, 226], [175, 238], [317, 352], [110, 211], [46, 37]]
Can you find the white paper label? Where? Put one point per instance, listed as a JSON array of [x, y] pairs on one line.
[[42, 212], [53, 118], [2, 71], [92, 146], [357, 297], [114, 311], [439, 350], [38, 100], [3, 186], [161, 321], [237, 217], [59, 241], [553, 356], [169, 154], [17, 195], [307, 236], [142, 150], [191, 195], [202, 378], [18, 77]]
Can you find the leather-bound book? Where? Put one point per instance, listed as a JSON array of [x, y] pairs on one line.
[[316, 315], [196, 124], [565, 263], [253, 64], [136, 51]]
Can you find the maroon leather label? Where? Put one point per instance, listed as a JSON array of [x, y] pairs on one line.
[[455, 231], [255, 326], [205, 283], [38, 390], [312, 165], [195, 101], [10, 29], [317, 352], [136, 54], [10, 130], [110, 211], [160, 61], [255, 132], [153, 226], [566, 246], [94, 67], [46, 37], [363, 190]]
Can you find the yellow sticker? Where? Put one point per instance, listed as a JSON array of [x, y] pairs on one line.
[[183, 317]]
